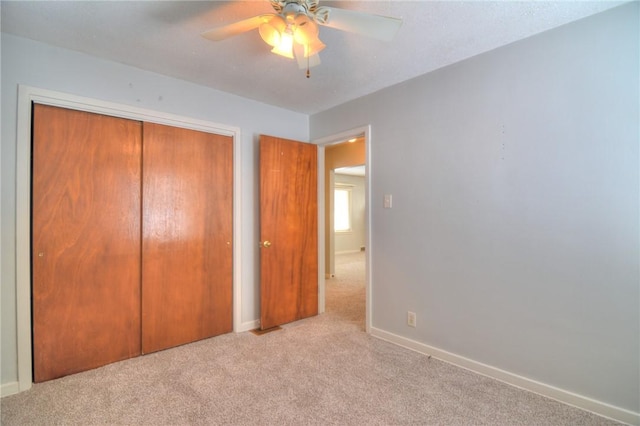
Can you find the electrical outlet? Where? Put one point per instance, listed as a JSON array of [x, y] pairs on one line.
[[411, 319]]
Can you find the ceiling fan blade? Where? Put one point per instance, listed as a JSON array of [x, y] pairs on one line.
[[379, 27], [226, 31]]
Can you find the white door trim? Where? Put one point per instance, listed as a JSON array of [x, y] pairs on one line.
[[28, 95], [322, 143]]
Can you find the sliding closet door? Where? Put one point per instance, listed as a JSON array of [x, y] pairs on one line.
[[187, 235], [85, 240]]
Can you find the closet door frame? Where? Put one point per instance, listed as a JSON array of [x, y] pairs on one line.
[[28, 95]]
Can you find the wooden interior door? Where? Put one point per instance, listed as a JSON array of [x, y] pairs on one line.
[[288, 231], [187, 235], [85, 240]]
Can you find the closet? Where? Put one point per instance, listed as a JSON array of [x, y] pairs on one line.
[[131, 238]]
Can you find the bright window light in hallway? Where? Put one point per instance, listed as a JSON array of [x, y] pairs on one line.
[[342, 209]]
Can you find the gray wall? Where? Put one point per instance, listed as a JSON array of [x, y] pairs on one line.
[[352, 241], [514, 230], [46, 67]]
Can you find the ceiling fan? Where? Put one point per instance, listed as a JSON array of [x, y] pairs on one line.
[[293, 30]]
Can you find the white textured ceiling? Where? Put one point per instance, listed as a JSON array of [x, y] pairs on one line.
[[164, 37]]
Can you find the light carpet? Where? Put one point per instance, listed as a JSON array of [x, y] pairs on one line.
[[319, 371]]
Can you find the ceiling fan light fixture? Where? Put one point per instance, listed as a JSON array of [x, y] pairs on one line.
[[285, 45], [271, 31], [293, 31], [305, 62], [306, 30], [314, 47], [306, 35]]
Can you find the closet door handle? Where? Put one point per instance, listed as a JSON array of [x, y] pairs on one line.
[[265, 244]]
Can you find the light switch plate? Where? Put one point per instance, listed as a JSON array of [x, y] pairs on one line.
[[388, 202]]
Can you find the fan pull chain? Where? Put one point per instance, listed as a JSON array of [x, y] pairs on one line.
[[308, 71]]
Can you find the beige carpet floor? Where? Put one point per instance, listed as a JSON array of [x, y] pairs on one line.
[[319, 371]]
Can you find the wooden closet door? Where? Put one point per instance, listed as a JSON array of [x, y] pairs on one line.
[[187, 235], [85, 240]]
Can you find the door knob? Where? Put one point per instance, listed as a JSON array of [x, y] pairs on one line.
[[266, 244]]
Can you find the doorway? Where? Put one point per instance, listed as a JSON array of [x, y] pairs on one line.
[[345, 287], [344, 261]]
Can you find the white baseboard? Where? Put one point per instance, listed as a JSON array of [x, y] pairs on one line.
[[566, 397], [9, 389], [248, 326]]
